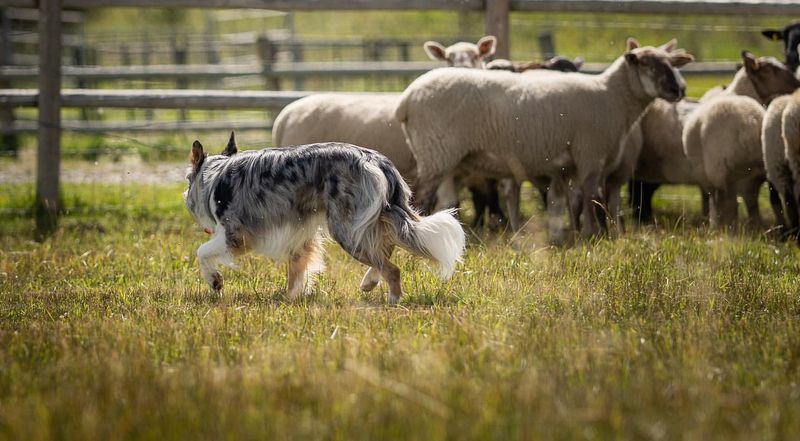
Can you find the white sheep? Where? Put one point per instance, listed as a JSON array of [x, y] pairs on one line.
[[724, 135], [527, 126], [780, 141], [368, 119]]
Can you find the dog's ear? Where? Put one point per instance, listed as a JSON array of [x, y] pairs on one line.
[[231, 148], [197, 156], [772, 34]]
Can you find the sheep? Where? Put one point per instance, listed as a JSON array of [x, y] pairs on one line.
[[724, 135], [790, 35], [463, 54], [777, 141], [661, 159], [776, 164], [558, 63], [368, 119], [526, 127], [790, 131]]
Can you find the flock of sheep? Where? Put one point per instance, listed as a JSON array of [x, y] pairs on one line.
[[576, 137]]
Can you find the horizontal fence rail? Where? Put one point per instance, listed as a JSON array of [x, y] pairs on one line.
[[302, 69], [100, 127], [688, 7], [157, 99]]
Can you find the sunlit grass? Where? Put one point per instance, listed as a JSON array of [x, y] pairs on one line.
[[106, 331]]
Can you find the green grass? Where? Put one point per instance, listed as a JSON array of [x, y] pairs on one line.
[[670, 332]]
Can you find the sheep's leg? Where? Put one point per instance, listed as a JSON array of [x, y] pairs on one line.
[[792, 212], [591, 197], [210, 254], [511, 194], [777, 210], [496, 215], [722, 208], [556, 207], [705, 202], [426, 193], [479, 203], [749, 191], [303, 264], [575, 207], [640, 194], [447, 193], [615, 205]]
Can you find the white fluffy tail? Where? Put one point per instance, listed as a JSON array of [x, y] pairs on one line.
[[442, 237]]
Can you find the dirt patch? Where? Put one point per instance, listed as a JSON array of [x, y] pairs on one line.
[[127, 169]]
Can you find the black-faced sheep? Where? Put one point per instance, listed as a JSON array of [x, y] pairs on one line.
[[790, 35]]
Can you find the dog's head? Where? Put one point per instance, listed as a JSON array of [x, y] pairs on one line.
[[195, 175]]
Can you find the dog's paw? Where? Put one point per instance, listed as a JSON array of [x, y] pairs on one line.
[[216, 283], [368, 285]]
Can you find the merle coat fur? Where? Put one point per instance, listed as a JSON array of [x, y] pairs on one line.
[[278, 202]]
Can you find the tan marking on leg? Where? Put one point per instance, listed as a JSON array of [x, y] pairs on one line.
[[371, 279], [391, 274], [302, 265]]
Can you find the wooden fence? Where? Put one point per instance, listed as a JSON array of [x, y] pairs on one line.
[[49, 97]]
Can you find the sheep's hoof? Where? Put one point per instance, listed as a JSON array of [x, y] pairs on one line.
[[393, 300]]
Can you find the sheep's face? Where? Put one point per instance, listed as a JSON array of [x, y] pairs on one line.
[[769, 76], [656, 69], [463, 54], [790, 35]]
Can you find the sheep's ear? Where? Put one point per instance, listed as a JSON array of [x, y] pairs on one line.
[[680, 58], [750, 62], [631, 58], [772, 34], [197, 156], [487, 46], [435, 51], [578, 62], [231, 148], [669, 46], [632, 44]]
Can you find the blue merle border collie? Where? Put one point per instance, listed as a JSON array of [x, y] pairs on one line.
[[280, 201]]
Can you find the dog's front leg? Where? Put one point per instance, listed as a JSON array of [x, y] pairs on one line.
[[210, 254]]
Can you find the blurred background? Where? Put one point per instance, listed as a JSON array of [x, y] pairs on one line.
[[242, 49]]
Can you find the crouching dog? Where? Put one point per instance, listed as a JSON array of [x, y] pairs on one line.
[[279, 202]]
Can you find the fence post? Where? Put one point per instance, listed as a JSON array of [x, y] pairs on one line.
[[297, 56], [179, 56], [9, 142], [48, 154], [267, 53], [547, 46], [497, 14]]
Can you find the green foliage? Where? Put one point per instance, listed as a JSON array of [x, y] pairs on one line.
[[106, 331]]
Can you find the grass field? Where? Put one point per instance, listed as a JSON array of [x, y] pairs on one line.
[[670, 332]]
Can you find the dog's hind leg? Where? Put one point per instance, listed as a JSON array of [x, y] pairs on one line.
[[210, 254], [373, 274], [370, 280], [304, 264]]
